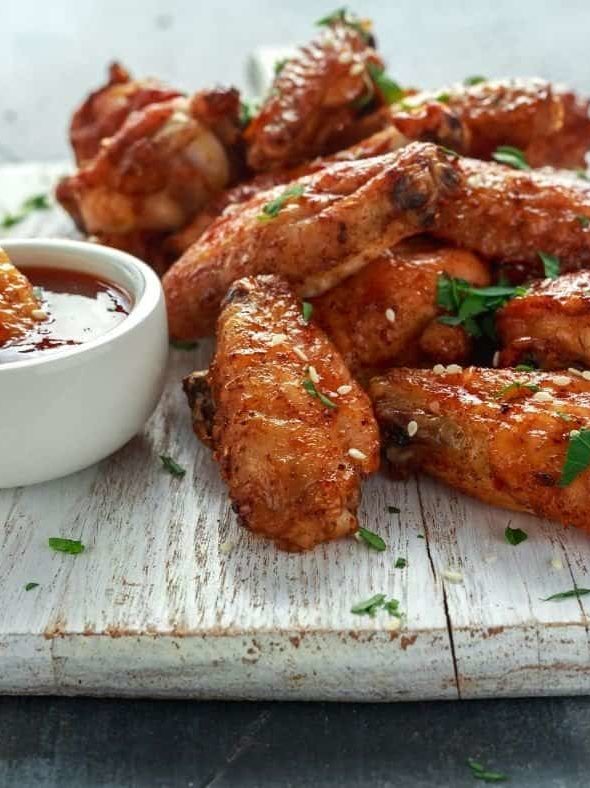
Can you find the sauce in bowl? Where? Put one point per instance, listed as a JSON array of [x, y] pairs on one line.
[[79, 307]]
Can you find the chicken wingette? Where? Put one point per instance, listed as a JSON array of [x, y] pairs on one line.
[[293, 433], [502, 436]]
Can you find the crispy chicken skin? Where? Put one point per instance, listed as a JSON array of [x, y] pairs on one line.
[[314, 100], [105, 110], [284, 454], [549, 325], [155, 173], [19, 309], [568, 146], [502, 446], [385, 315], [347, 215]]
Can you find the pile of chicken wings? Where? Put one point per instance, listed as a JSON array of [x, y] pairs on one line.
[[392, 276]]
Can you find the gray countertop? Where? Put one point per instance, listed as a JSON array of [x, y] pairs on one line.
[[51, 54]]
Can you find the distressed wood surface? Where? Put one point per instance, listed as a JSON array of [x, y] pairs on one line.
[[172, 599]]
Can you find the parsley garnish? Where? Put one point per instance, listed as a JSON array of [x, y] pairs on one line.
[[584, 221], [71, 546], [306, 311], [574, 592], [516, 386], [182, 344], [577, 458], [481, 773], [349, 19], [515, 536], [390, 90], [30, 586], [525, 368], [443, 98], [513, 157], [274, 207], [309, 386], [373, 540], [38, 202], [172, 466], [280, 65], [392, 607], [369, 606], [475, 80], [583, 175], [401, 563], [551, 265], [393, 510], [472, 307], [247, 111]]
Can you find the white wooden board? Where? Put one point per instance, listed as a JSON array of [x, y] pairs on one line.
[[172, 598]]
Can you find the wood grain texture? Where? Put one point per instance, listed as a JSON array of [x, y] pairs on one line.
[[172, 599]]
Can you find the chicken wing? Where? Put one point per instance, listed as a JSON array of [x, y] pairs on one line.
[[498, 435], [19, 308], [549, 325], [316, 97], [106, 109], [385, 315], [292, 431]]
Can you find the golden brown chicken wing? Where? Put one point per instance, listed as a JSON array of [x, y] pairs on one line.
[[385, 315], [19, 308], [498, 435], [292, 431], [316, 97], [106, 109], [549, 326]]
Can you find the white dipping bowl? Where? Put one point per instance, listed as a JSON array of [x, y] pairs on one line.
[[66, 411]]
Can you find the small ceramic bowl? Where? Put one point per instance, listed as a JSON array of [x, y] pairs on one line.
[[62, 413]]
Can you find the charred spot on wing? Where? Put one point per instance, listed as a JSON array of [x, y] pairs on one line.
[[342, 233], [545, 479], [409, 195], [200, 400], [449, 178], [237, 292]]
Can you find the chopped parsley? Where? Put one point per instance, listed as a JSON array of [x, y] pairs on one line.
[[31, 586], [443, 98], [182, 344], [472, 307], [392, 607], [583, 221], [38, 202], [401, 563], [71, 546], [577, 458], [393, 510], [306, 311], [515, 536], [517, 385], [574, 592], [373, 540], [248, 110], [280, 65], [475, 80], [481, 773], [390, 91], [513, 157], [551, 265], [274, 207], [346, 17], [172, 466], [583, 175], [309, 386], [369, 606], [525, 368]]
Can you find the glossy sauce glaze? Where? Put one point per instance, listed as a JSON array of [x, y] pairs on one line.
[[79, 307]]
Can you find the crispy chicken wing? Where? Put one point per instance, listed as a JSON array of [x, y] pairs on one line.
[[316, 97], [19, 308], [549, 325], [498, 435], [154, 174], [293, 460], [385, 315], [106, 109]]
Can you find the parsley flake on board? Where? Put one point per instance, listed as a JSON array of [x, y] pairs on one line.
[[513, 157], [389, 89], [30, 586], [172, 466], [306, 311], [274, 207], [369, 606], [393, 510], [551, 265], [481, 773], [574, 592], [373, 540], [472, 307], [38, 202], [401, 563], [475, 80], [515, 536], [309, 386], [577, 458], [71, 546]]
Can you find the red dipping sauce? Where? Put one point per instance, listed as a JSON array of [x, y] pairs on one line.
[[80, 307]]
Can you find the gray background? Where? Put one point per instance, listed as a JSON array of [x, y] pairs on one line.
[[51, 54]]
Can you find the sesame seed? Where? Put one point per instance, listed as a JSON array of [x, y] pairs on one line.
[[226, 547], [345, 57], [356, 454], [542, 396], [313, 375], [586, 374], [561, 380], [574, 433], [412, 428], [575, 371], [300, 354], [452, 576], [277, 339], [38, 314], [345, 389], [454, 369], [496, 359], [438, 369], [356, 69], [390, 315], [557, 563]]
